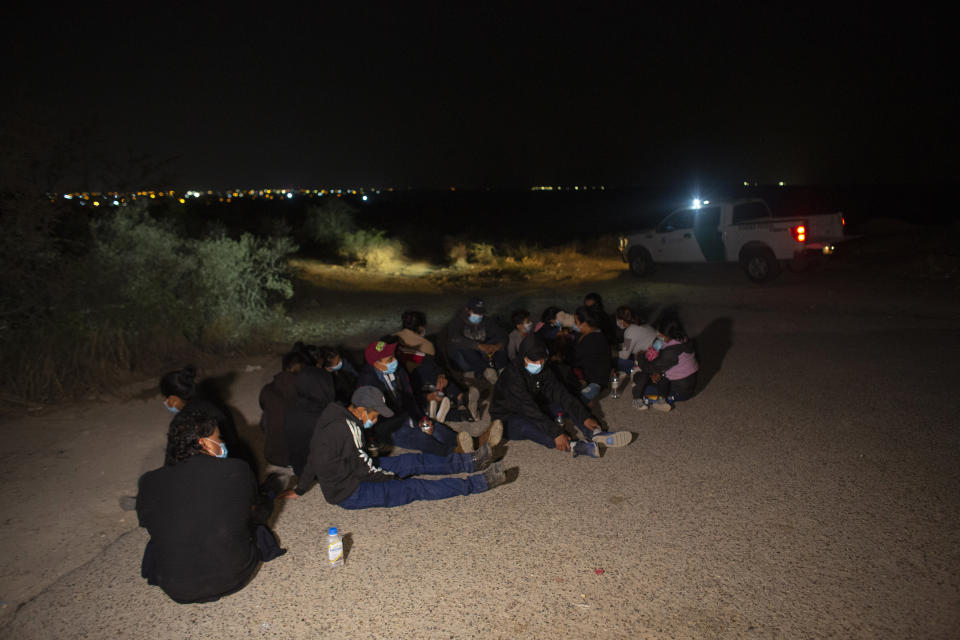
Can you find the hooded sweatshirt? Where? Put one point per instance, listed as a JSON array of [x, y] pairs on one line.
[[314, 392]]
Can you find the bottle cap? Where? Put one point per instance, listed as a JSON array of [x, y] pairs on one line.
[[332, 531]]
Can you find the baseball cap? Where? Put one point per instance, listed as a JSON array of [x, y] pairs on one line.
[[378, 350], [371, 398], [477, 306]]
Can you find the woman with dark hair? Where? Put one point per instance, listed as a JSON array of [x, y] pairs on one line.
[[670, 365], [206, 520], [181, 392], [637, 338]]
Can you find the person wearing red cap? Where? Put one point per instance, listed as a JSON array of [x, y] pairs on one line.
[[409, 427]]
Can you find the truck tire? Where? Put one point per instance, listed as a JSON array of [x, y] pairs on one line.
[[641, 264], [760, 265]]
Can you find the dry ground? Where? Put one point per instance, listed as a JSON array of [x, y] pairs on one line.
[[811, 490]]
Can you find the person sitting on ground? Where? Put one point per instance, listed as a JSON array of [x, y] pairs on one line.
[[607, 325], [528, 398], [591, 353], [476, 343], [341, 370], [206, 520], [275, 397], [314, 392], [637, 338], [348, 477], [408, 427], [180, 392], [522, 327], [670, 364], [413, 342]]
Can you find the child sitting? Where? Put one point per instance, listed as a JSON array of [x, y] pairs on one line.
[[670, 365]]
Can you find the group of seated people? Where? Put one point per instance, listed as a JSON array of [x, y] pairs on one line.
[[328, 422]]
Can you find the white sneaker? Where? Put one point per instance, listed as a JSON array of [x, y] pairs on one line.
[[473, 402], [432, 410], [663, 406], [639, 405], [465, 440], [443, 410], [490, 375]]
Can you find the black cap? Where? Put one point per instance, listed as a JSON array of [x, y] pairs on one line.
[[371, 398], [477, 306], [533, 348]]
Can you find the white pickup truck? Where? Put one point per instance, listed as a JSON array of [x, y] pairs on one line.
[[742, 231]]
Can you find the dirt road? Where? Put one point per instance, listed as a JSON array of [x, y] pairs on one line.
[[812, 489]]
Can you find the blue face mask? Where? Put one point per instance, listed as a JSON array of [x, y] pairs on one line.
[[392, 367], [169, 408], [657, 344], [336, 368], [223, 450], [534, 368], [368, 424], [475, 318], [576, 328]]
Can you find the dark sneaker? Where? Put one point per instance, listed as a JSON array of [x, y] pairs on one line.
[[581, 448], [612, 439], [495, 475], [482, 458]]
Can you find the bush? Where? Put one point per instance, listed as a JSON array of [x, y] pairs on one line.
[[332, 228]]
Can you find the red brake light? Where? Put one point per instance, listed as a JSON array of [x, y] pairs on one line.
[[799, 233], [843, 221]]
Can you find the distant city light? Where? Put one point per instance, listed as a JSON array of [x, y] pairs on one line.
[[746, 184], [780, 184], [364, 198], [68, 196], [289, 195]]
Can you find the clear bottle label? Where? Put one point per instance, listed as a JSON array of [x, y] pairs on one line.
[[335, 552]]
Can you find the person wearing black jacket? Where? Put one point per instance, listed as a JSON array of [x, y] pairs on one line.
[[528, 396], [591, 353], [475, 342], [275, 397], [348, 477], [205, 517], [314, 392]]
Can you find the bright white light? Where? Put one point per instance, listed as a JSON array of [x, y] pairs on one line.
[[696, 203], [289, 195], [116, 203], [780, 184], [706, 202], [68, 196], [364, 198]]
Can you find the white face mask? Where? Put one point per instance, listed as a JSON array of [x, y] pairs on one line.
[[527, 326]]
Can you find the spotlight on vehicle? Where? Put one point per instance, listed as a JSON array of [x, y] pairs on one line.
[[696, 203]]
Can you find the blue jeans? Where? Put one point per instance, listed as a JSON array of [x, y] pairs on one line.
[[521, 428], [590, 391], [404, 490], [398, 432], [471, 360], [625, 364]]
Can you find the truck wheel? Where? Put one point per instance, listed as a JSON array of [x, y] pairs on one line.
[[641, 264], [760, 265]]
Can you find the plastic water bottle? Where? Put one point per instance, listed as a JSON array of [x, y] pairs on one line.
[[334, 547], [615, 386], [559, 418]]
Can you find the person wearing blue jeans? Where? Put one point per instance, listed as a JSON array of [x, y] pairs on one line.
[[403, 426], [350, 478], [528, 398]]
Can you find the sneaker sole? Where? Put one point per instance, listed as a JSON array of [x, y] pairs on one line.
[[496, 433], [473, 402], [443, 411], [663, 406], [490, 376], [618, 439], [465, 441]]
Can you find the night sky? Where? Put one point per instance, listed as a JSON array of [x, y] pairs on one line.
[[498, 95]]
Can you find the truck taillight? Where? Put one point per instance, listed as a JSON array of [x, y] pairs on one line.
[[799, 233], [843, 221]]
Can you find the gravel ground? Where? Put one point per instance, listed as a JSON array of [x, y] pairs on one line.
[[811, 490]]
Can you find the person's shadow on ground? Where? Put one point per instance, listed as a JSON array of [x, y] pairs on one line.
[[712, 345], [238, 435]]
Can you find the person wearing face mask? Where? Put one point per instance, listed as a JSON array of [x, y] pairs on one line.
[[637, 338], [403, 428], [342, 372], [476, 343], [529, 396], [591, 353], [348, 477], [669, 365], [522, 327], [206, 520]]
